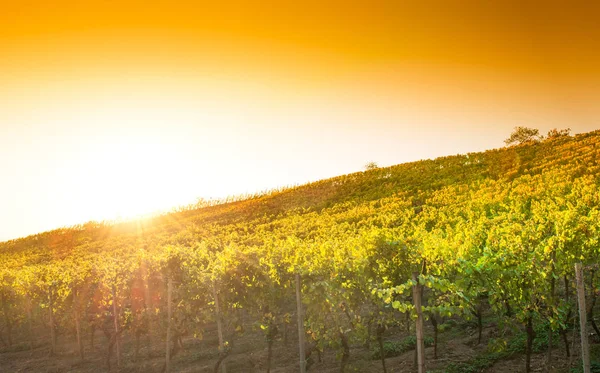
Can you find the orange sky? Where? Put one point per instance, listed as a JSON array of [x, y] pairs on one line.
[[111, 108]]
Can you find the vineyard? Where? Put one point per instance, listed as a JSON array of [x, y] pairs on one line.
[[333, 271]]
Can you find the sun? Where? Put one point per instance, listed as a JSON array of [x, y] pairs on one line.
[[133, 177]]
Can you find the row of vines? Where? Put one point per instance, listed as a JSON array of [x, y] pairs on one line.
[[507, 244]]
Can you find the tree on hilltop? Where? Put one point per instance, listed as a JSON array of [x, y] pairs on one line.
[[371, 166], [522, 135]]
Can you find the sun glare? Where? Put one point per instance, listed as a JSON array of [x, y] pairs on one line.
[[135, 165], [134, 178]]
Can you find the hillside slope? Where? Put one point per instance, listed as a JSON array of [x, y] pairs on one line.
[[578, 153], [492, 237]]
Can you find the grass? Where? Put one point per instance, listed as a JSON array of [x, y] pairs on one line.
[[595, 368], [396, 348], [499, 349]]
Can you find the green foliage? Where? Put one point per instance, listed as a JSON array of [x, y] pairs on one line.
[[595, 367], [497, 228], [499, 349], [396, 348], [476, 364], [516, 343]]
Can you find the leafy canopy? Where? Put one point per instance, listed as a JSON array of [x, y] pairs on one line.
[[522, 135]]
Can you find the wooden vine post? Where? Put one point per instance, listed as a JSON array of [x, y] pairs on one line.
[[147, 305], [116, 322], [29, 306], [76, 301], [419, 326], [219, 326], [7, 319], [300, 326], [169, 317], [585, 349], [52, 323]]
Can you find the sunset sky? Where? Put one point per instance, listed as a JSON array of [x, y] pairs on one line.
[[114, 108]]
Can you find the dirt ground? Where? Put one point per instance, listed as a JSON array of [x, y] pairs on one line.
[[249, 354]]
